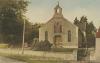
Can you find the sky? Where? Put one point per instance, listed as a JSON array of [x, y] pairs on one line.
[[40, 11]]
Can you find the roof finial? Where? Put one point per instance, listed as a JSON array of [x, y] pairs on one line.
[[58, 3]]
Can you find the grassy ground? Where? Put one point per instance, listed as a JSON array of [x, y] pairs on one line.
[[3, 45], [29, 59], [30, 56], [36, 59]]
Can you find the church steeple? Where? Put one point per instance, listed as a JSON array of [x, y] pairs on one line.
[[58, 10]]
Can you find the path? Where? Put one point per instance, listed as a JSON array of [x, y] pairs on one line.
[[8, 60]]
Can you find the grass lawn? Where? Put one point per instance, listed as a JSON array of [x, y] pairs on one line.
[[28, 59], [3, 45]]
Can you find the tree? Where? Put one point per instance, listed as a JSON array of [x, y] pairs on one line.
[[91, 34], [83, 19], [11, 19], [86, 40], [35, 28], [76, 22]]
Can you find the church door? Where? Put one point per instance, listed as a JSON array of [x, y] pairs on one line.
[[58, 41]]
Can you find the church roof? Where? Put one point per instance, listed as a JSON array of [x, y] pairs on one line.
[[58, 15]]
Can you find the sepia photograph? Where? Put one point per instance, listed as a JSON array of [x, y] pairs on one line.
[[49, 31]]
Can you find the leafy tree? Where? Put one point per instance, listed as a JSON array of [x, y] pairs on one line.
[[83, 19], [76, 22], [11, 19], [35, 28], [90, 34], [88, 40]]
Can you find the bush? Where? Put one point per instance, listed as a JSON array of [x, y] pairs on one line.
[[43, 46]]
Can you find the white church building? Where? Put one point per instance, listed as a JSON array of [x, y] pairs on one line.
[[59, 31]]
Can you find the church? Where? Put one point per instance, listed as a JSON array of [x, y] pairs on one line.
[[59, 31], [63, 34]]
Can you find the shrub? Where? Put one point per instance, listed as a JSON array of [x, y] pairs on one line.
[[43, 46]]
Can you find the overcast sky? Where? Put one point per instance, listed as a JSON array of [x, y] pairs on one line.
[[42, 10]]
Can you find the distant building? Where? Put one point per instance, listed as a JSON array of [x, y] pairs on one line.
[[98, 45]]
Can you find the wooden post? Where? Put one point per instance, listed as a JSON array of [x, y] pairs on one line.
[[23, 38]]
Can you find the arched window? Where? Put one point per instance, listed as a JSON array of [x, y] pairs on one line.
[[46, 35], [60, 28], [69, 36], [57, 28]]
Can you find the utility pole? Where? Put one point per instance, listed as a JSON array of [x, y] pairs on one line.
[[23, 42]]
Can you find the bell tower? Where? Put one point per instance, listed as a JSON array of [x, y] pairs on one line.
[[58, 10]]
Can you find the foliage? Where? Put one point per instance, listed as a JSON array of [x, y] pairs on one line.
[[89, 29], [91, 34], [76, 22], [86, 40], [82, 53], [43, 46], [35, 31], [11, 20]]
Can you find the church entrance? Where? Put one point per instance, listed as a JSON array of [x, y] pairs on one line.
[[58, 41]]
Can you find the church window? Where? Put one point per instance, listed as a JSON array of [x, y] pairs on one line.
[[46, 35], [58, 10], [69, 36], [57, 28]]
